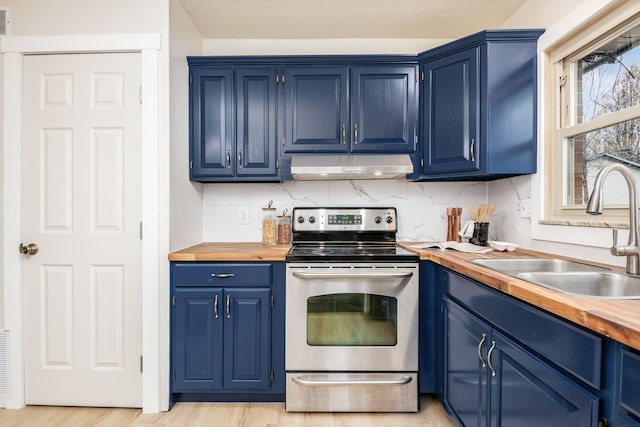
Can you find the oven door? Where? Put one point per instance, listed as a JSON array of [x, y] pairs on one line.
[[352, 317]]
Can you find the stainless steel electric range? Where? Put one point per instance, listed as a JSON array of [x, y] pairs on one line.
[[352, 313]]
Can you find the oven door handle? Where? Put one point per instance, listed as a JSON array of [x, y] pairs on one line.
[[305, 275], [318, 383]]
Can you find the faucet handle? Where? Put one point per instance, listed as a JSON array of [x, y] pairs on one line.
[[615, 249]]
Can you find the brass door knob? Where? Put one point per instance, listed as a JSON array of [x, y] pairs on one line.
[[30, 249]]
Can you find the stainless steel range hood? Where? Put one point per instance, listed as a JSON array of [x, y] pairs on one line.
[[364, 166]]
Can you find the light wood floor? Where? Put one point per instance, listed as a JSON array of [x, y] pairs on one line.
[[218, 415]]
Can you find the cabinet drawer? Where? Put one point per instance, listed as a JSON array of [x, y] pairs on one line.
[[577, 351], [221, 274], [630, 378]]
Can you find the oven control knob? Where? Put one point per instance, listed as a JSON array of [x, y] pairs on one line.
[[312, 219], [389, 220], [300, 219], [378, 220]]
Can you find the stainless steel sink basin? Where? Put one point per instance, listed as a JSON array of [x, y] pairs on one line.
[[513, 266], [588, 283], [567, 276]]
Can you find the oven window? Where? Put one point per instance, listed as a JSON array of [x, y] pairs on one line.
[[352, 320]]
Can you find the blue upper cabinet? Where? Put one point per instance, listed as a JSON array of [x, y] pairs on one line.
[[211, 117], [233, 124], [374, 111], [478, 107], [383, 109], [316, 109], [450, 102]]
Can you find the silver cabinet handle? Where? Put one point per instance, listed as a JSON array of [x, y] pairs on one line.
[[222, 275], [472, 149], [228, 159], [355, 133], [493, 346], [484, 338], [314, 383], [215, 306], [228, 306], [304, 275], [344, 134], [240, 159]]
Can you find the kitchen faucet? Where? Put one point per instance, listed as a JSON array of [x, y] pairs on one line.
[[594, 207]]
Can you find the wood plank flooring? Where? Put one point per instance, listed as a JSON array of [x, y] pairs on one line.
[[219, 415]]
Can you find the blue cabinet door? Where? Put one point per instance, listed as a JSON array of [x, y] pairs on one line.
[[247, 338], [450, 113], [316, 109], [383, 109], [197, 340], [211, 117], [529, 392], [466, 387], [256, 150]]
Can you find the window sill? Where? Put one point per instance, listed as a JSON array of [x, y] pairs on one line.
[[584, 223]]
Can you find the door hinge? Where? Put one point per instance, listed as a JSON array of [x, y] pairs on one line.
[[140, 230], [140, 94], [141, 364], [272, 376], [273, 301], [173, 301]]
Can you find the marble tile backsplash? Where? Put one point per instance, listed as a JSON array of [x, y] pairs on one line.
[[421, 205]]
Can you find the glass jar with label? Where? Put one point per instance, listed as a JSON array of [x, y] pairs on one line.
[[269, 226], [284, 228]]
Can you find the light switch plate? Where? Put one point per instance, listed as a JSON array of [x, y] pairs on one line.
[[243, 215], [525, 208]]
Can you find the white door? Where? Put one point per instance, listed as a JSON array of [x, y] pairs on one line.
[[82, 207]]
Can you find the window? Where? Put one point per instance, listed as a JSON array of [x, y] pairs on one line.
[[595, 119]]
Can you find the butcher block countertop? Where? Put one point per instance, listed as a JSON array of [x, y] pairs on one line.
[[231, 251], [617, 319]]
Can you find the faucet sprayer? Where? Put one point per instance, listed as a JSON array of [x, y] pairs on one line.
[[595, 205]]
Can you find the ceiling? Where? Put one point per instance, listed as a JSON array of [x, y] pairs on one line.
[[321, 19]]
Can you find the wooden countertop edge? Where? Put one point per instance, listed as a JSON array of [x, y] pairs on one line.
[[231, 251], [616, 319]]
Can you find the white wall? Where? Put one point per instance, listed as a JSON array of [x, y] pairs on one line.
[[186, 197]]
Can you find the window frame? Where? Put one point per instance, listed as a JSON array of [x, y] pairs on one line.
[[561, 120]]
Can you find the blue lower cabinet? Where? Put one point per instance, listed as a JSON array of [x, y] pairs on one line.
[[490, 380], [629, 405], [227, 331], [196, 341], [247, 344]]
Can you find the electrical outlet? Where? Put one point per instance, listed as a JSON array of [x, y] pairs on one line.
[[525, 208], [243, 215]]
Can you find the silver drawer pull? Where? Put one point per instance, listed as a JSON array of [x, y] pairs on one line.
[[305, 275], [215, 306], [316, 383], [222, 275]]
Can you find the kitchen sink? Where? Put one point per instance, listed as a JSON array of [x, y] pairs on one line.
[[566, 276], [513, 266], [588, 283]]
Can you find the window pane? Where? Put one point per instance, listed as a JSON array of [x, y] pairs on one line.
[[591, 151], [608, 78], [352, 319]]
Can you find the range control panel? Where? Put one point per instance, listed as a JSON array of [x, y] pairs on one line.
[[347, 219]]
